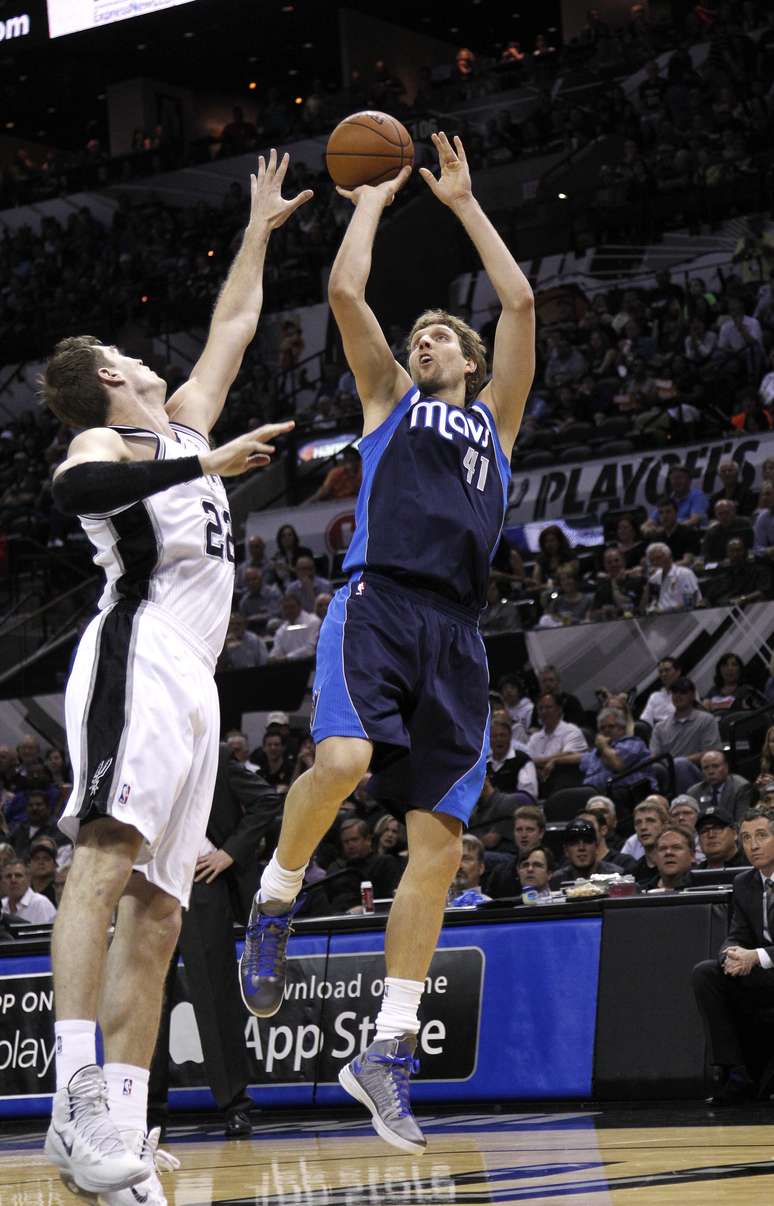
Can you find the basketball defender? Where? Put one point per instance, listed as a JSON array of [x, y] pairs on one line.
[[401, 668], [141, 705]]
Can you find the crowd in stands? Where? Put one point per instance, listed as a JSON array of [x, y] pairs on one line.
[[568, 793]]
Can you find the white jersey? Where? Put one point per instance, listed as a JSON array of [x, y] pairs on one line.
[[172, 551]]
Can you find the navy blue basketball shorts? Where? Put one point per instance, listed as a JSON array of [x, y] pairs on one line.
[[408, 672]]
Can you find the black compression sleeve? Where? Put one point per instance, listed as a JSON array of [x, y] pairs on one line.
[[98, 487]]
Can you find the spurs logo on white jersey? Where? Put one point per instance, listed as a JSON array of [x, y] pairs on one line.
[[99, 775]]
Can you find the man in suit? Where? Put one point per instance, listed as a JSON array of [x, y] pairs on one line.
[[719, 788], [730, 990], [244, 808]]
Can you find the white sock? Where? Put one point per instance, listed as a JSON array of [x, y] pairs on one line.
[[75, 1046], [279, 884], [128, 1096], [398, 1014]]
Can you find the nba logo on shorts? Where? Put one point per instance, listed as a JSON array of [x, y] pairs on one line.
[[127, 1089], [124, 795], [360, 589]]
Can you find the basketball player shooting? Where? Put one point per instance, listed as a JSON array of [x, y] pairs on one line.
[[401, 668], [141, 705]]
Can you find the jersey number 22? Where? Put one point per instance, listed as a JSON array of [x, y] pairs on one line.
[[218, 541]]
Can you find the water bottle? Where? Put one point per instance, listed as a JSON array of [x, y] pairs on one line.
[[530, 896]]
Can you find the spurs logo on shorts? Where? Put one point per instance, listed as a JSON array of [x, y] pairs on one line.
[[99, 775]]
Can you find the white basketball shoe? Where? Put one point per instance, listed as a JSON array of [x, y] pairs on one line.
[[84, 1142], [149, 1192]]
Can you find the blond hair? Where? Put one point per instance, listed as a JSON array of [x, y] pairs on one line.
[[472, 345]]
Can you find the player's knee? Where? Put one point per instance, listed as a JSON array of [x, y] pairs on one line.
[[340, 763]]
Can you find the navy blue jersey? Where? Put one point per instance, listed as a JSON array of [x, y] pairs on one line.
[[432, 504]]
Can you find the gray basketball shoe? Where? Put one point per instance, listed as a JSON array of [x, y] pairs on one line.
[[262, 967], [84, 1142], [379, 1078]]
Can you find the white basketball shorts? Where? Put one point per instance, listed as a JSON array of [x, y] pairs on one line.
[[143, 726]]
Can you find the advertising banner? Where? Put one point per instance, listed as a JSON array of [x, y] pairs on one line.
[[562, 491], [72, 16], [495, 1021]]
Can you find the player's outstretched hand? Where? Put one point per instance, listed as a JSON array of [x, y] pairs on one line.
[[384, 192], [248, 451], [267, 205], [453, 185]]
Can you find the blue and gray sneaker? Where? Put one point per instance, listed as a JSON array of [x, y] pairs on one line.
[[262, 966], [379, 1078]]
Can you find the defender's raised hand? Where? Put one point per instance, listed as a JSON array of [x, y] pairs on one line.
[[267, 205], [384, 193], [453, 185], [248, 451]]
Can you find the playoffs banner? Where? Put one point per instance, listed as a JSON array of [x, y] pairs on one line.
[[26, 1031], [562, 491]]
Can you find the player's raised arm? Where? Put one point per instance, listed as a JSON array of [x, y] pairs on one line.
[[199, 402], [513, 360], [380, 379]]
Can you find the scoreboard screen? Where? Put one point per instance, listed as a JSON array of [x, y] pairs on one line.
[[72, 16]]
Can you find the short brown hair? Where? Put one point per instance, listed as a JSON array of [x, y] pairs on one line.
[[471, 343], [530, 812], [71, 387], [678, 829]]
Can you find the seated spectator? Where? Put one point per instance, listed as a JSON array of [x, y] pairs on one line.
[[614, 753], [700, 342], [600, 810], [240, 749], [719, 788], [732, 987], [617, 593], [673, 856], [508, 765], [729, 691], [650, 819], [492, 819], [581, 854], [321, 605], [242, 650], [681, 539], [739, 579], [567, 603], [256, 558], [763, 524], [566, 364], [686, 735], [342, 481], [727, 524], [274, 761], [670, 587], [519, 706], [535, 869], [529, 827], [305, 756], [718, 839], [308, 584], [683, 812], [260, 601], [38, 824], [691, 503], [42, 867], [557, 747], [297, 635], [629, 542], [572, 709], [289, 549], [360, 862], [554, 551], [733, 490], [659, 704], [21, 903], [467, 887], [766, 768], [501, 613], [390, 837]]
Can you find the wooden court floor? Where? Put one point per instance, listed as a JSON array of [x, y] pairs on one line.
[[650, 1156]]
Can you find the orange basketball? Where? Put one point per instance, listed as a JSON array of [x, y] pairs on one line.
[[368, 148]]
